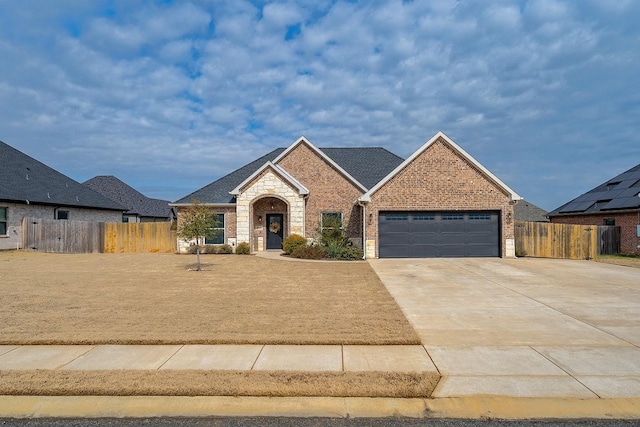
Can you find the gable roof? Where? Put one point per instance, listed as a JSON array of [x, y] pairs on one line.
[[26, 180], [365, 165], [218, 191], [618, 193], [301, 188], [303, 140], [527, 211], [440, 135], [121, 193]]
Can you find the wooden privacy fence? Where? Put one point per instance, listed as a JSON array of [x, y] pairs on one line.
[[47, 235], [549, 240], [66, 237], [135, 237]]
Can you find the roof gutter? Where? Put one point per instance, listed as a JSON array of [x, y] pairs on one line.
[[216, 205]]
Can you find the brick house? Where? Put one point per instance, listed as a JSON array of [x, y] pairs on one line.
[[29, 188], [440, 202], [614, 202]]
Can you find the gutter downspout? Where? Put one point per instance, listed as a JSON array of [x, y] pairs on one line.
[[364, 229]]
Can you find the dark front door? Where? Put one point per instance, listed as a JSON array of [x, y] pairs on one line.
[[274, 231]]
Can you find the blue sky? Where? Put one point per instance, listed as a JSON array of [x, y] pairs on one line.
[[170, 95]]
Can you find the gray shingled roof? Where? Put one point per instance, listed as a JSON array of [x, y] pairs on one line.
[[527, 211], [22, 179], [619, 193], [138, 204], [367, 165]]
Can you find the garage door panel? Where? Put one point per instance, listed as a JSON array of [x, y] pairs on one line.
[[438, 234]]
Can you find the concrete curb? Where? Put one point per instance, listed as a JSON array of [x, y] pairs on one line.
[[331, 407]]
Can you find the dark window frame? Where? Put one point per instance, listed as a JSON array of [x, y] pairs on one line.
[[3, 221], [218, 233], [331, 216]]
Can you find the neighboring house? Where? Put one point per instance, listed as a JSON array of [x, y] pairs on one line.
[[140, 207], [615, 202], [527, 211], [440, 202], [29, 188]]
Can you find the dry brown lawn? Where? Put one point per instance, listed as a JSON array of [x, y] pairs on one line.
[[217, 383], [156, 299], [628, 261]]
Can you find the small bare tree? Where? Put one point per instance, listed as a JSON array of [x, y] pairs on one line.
[[197, 222]]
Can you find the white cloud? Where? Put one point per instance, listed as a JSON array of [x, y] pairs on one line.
[[194, 89]]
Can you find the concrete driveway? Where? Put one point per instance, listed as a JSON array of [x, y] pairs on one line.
[[523, 327]]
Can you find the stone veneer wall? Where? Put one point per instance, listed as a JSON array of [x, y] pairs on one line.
[[268, 183], [440, 179]]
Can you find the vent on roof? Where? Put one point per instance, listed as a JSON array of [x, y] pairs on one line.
[[611, 185], [598, 205]]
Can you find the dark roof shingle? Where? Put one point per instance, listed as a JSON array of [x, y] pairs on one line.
[[527, 211], [367, 165], [618, 193], [23, 178], [121, 193]]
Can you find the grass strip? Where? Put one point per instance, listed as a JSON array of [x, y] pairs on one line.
[[217, 383]]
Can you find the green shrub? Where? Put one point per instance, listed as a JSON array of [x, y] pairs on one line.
[[334, 248], [291, 242], [204, 249], [351, 253], [209, 249], [225, 249], [243, 249], [309, 252]]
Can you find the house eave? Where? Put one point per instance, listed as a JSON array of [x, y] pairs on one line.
[[302, 190], [602, 213]]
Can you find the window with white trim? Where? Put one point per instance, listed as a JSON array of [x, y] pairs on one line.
[[216, 235], [331, 220], [3, 221]]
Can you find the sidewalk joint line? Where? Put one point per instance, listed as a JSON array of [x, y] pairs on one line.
[[432, 361], [564, 370], [257, 357], [93, 347], [170, 357]]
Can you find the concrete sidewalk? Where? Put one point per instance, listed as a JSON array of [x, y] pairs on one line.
[[310, 358]]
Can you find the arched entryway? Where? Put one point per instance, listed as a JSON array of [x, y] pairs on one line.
[[270, 219]]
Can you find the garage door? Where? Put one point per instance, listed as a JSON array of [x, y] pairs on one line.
[[439, 234]]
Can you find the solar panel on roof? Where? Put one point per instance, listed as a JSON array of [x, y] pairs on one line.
[[623, 203], [576, 206], [628, 192]]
